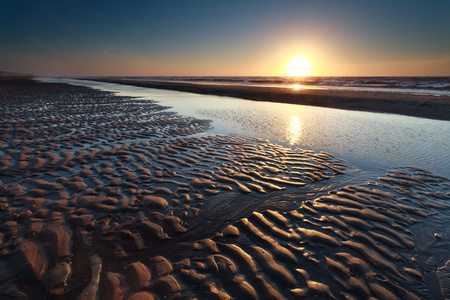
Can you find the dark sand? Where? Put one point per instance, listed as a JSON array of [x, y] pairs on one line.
[[432, 107], [107, 197]]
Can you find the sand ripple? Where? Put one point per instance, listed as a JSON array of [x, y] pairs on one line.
[[357, 242]]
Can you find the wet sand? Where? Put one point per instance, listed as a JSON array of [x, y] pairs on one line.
[[108, 197], [432, 107]]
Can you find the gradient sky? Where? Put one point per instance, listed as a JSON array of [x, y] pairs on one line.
[[168, 37]]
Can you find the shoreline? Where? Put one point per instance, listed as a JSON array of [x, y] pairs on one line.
[[431, 107]]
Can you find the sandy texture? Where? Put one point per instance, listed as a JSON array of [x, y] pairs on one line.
[[433, 107], [106, 197], [357, 242]]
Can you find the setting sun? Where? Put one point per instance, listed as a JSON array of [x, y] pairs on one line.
[[299, 66]]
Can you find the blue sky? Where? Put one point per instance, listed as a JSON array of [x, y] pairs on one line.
[[347, 37]]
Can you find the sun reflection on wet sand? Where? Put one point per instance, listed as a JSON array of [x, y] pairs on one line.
[[296, 86], [294, 130]]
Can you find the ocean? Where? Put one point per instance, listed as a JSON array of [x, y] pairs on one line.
[[435, 86]]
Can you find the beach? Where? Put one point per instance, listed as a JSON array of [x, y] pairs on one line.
[[425, 106], [113, 197]]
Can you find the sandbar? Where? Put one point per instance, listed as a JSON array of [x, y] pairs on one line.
[[425, 106]]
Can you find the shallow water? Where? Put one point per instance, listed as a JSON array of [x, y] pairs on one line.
[[365, 139]]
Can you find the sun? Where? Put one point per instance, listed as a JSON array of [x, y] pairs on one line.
[[299, 66]]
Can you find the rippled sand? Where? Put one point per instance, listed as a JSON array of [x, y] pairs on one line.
[[107, 197]]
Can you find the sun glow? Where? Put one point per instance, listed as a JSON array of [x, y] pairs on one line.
[[299, 66]]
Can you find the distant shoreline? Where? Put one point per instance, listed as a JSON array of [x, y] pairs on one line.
[[432, 107]]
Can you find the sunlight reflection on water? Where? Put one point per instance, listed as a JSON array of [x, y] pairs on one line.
[[294, 130], [370, 139]]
